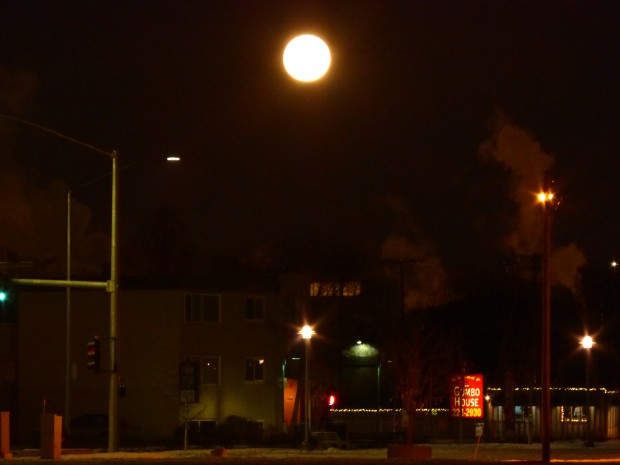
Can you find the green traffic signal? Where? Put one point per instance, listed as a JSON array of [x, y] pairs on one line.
[[3, 296]]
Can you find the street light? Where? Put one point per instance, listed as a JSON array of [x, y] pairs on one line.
[[307, 58], [110, 286], [546, 198], [306, 334], [587, 342]]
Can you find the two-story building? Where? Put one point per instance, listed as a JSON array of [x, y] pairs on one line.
[[197, 352]]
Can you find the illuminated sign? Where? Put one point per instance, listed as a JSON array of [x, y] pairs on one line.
[[467, 396]]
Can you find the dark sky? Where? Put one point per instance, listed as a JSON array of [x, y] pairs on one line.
[[426, 139]]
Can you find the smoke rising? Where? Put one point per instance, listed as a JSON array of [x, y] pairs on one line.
[[33, 218], [519, 151], [409, 252], [33, 229]]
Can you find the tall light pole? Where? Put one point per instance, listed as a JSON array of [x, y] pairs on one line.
[[306, 59], [306, 334], [67, 410], [587, 342], [546, 199], [110, 286]]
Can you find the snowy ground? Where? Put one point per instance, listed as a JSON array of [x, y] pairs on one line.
[[608, 452]]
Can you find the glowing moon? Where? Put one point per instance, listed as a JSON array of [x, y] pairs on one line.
[[307, 58]]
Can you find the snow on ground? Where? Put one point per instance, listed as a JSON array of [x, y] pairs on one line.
[[444, 453]]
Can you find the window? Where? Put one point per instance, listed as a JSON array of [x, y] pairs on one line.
[[254, 369], [200, 432], [574, 414], [189, 381], [254, 308], [202, 307], [523, 413], [207, 369], [335, 289]]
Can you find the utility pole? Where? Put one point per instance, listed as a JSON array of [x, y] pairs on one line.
[[111, 285], [546, 197], [401, 276]]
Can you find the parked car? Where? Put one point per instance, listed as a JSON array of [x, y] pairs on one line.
[[91, 430]]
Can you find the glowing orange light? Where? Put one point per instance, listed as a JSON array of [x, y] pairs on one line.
[[545, 197]]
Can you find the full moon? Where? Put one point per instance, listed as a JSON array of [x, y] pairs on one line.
[[306, 58]]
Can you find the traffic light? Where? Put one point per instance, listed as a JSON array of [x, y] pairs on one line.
[[8, 301], [5, 291], [93, 350], [331, 401]]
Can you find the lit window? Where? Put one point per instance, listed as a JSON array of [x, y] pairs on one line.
[[202, 307], [574, 414], [254, 369], [335, 289], [254, 307], [523, 413], [351, 289]]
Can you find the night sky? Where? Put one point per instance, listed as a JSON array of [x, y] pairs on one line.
[[427, 138]]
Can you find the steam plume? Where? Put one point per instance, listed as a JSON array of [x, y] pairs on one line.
[[519, 151]]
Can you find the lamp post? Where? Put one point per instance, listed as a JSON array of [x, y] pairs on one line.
[[306, 334], [110, 286], [306, 59], [546, 199], [587, 342]]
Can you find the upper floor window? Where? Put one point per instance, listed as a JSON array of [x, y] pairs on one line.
[[254, 369], [202, 307], [254, 308], [335, 289]]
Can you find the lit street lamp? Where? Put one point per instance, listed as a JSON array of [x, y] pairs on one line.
[[306, 59], [546, 198], [306, 334], [110, 286], [587, 342]]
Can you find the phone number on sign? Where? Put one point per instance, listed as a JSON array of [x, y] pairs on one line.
[[467, 412]]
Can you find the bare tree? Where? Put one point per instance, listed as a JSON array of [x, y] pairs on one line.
[[422, 353]]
